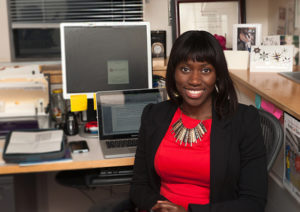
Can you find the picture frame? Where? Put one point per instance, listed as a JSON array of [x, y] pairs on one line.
[[271, 40], [294, 40], [245, 36], [214, 16]]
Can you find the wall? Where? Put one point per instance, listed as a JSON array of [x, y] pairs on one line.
[[274, 6], [5, 54], [258, 14], [157, 13]]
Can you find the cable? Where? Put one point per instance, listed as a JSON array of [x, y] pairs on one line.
[[88, 196]]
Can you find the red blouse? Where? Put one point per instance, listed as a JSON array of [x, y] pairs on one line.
[[184, 170]]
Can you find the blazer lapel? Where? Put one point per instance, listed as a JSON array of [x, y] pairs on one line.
[[220, 142], [161, 124]]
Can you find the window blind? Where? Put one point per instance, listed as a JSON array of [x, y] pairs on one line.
[[57, 11]]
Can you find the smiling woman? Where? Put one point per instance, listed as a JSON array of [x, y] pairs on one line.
[[200, 48], [201, 150]]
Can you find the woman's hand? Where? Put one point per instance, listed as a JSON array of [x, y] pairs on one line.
[[166, 206]]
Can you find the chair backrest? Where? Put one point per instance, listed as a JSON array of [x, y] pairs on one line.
[[273, 135]]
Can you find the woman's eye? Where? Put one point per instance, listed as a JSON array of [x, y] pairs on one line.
[[185, 69], [206, 70]]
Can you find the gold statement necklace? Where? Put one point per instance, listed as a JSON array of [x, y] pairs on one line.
[[186, 135]]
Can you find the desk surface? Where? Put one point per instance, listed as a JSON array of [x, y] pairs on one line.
[[91, 159], [273, 87]]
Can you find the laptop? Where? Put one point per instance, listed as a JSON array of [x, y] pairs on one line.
[[295, 76], [119, 117]]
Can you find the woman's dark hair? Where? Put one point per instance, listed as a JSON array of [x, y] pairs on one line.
[[201, 46]]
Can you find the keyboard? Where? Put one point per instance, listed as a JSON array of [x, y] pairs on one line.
[[131, 142], [112, 176]]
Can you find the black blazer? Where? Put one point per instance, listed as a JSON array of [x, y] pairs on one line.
[[238, 173]]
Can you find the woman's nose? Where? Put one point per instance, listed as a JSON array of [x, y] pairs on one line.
[[195, 78]]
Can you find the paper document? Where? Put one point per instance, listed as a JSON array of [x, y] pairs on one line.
[[35, 142], [291, 175]]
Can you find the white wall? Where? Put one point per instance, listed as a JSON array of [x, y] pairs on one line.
[[157, 13], [257, 13], [5, 54], [274, 6]]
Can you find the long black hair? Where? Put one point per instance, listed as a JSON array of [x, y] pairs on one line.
[[202, 46]]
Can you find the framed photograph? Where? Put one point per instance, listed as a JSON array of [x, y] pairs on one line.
[[271, 40], [245, 36], [294, 41], [214, 16]]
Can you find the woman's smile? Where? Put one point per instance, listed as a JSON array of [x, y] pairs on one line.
[[194, 93]]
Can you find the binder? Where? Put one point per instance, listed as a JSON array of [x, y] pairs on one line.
[[34, 150]]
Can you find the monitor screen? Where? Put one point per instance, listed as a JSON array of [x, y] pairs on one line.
[[105, 56]]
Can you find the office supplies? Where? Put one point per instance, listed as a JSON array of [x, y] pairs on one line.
[[110, 176], [119, 114], [291, 177], [79, 146], [9, 124], [71, 124], [91, 127], [78, 102], [24, 99], [34, 145]]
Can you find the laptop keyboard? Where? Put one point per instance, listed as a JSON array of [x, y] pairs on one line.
[[121, 143]]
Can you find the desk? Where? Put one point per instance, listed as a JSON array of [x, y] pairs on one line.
[[89, 160], [34, 191], [282, 92]]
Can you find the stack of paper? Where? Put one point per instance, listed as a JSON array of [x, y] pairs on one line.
[[23, 90]]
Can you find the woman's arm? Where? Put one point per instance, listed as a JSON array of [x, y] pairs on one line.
[[252, 184]]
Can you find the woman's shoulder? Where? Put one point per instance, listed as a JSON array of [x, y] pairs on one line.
[[160, 109], [246, 111], [246, 108], [161, 106]]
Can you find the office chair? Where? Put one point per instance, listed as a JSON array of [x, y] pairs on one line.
[[273, 135]]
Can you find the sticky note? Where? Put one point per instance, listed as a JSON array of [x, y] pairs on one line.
[[78, 102], [278, 113], [95, 102], [268, 106], [257, 101]]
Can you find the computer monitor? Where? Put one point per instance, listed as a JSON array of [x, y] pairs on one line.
[[103, 56]]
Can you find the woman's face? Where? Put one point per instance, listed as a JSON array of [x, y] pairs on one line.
[[195, 82]]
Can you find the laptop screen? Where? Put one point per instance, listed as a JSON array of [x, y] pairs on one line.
[[119, 112]]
